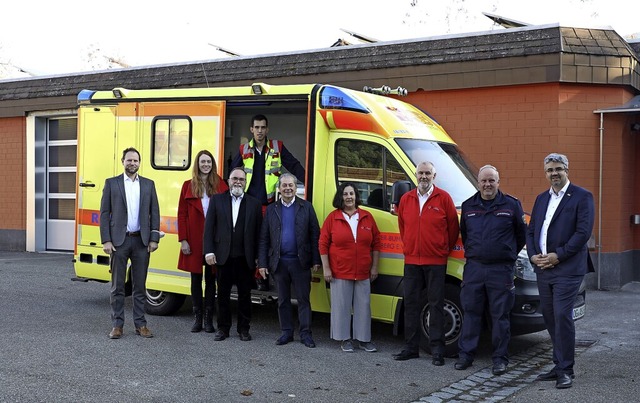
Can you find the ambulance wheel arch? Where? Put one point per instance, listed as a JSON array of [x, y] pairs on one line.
[[453, 317], [162, 303]]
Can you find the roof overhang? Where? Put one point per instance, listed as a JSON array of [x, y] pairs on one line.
[[633, 105]]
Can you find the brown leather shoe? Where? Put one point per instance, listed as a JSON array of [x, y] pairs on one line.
[[115, 333], [144, 332]]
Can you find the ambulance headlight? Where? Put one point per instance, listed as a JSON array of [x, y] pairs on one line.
[[524, 269]]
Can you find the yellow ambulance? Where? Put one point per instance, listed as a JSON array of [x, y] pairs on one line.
[[338, 134]]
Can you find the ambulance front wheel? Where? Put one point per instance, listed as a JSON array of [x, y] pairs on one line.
[[452, 321], [163, 303]]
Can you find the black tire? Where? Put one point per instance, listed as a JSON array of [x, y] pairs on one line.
[[163, 303], [452, 321]]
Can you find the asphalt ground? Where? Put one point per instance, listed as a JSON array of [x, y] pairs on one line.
[[54, 347]]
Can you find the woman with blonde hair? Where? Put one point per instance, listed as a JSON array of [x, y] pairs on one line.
[[192, 210]]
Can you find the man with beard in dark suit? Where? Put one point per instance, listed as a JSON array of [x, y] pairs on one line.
[[231, 232]]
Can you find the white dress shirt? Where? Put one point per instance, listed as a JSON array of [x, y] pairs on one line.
[[132, 193], [554, 202], [235, 208], [423, 198]]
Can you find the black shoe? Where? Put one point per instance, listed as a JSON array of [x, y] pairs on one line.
[[220, 335], [308, 341], [499, 368], [284, 339], [208, 321], [437, 360], [550, 376], [405, 355], [564, 381], [547, 376], [462, 364], [245, 336], [197, 321]]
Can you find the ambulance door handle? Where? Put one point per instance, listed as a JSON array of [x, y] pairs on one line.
[[87, 185]]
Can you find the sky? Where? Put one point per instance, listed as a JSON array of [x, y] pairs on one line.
[[47, 37]]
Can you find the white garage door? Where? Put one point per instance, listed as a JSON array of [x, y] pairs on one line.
[[61, 183]]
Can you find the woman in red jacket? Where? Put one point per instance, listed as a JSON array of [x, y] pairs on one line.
[[192, 210], [350, 248]]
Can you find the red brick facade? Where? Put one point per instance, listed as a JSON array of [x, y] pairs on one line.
[[13, 173], [515, 127]]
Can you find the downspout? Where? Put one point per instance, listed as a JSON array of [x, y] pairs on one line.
[[600, 200]]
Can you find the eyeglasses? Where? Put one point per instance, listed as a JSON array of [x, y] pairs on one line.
[[556, 169], [236, 179]]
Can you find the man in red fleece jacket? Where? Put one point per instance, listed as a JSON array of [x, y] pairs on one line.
[[429, 228]]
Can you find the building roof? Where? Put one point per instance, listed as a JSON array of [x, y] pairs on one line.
[[531, 54]]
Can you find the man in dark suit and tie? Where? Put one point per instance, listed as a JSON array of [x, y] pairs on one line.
[[560, 226], [231, 231], [129, 230]]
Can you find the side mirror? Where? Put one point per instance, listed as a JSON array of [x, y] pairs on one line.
[[398, 189]]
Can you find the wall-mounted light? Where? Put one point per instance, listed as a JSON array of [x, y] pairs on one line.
[[635, 127]]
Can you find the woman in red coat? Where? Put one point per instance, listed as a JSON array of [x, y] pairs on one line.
[[192, 210], [349, 248]]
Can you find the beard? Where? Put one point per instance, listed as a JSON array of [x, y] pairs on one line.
[[424, 186], [237, 191]]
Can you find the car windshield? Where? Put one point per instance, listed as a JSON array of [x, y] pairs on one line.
[[453, 173]]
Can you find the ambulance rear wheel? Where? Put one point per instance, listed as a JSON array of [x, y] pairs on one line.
[[163, 303], [452, 321]]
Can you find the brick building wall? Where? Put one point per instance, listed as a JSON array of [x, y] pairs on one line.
[[13, 182], [515, 127]]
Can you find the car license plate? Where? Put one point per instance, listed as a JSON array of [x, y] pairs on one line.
[[578, 312]]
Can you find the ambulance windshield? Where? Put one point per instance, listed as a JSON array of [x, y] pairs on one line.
[[453, 173]]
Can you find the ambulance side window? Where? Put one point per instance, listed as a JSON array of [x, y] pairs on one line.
[[171, 138], [371, 167]]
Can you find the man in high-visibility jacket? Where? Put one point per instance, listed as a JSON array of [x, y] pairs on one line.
[[263, 159]]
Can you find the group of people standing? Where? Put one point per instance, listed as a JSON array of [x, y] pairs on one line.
[[244, 228], [494, 231], [236, 232]]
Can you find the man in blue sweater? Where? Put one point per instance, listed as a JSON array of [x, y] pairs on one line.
[[288, 249]]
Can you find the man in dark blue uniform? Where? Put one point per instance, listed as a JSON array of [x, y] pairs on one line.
[[493, 233]]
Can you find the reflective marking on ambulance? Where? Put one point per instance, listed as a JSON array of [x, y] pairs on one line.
[[169, 272], [168, 224]]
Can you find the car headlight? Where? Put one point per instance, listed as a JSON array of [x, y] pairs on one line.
[[524, 269]]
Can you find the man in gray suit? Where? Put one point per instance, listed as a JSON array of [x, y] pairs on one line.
[[129, 229]]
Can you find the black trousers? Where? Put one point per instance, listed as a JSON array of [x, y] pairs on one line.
[[289, 272], [235, 272], [209, 290], [416, 279]]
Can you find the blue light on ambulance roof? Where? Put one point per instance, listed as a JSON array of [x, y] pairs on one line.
[[336, 98], [85, 95]]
